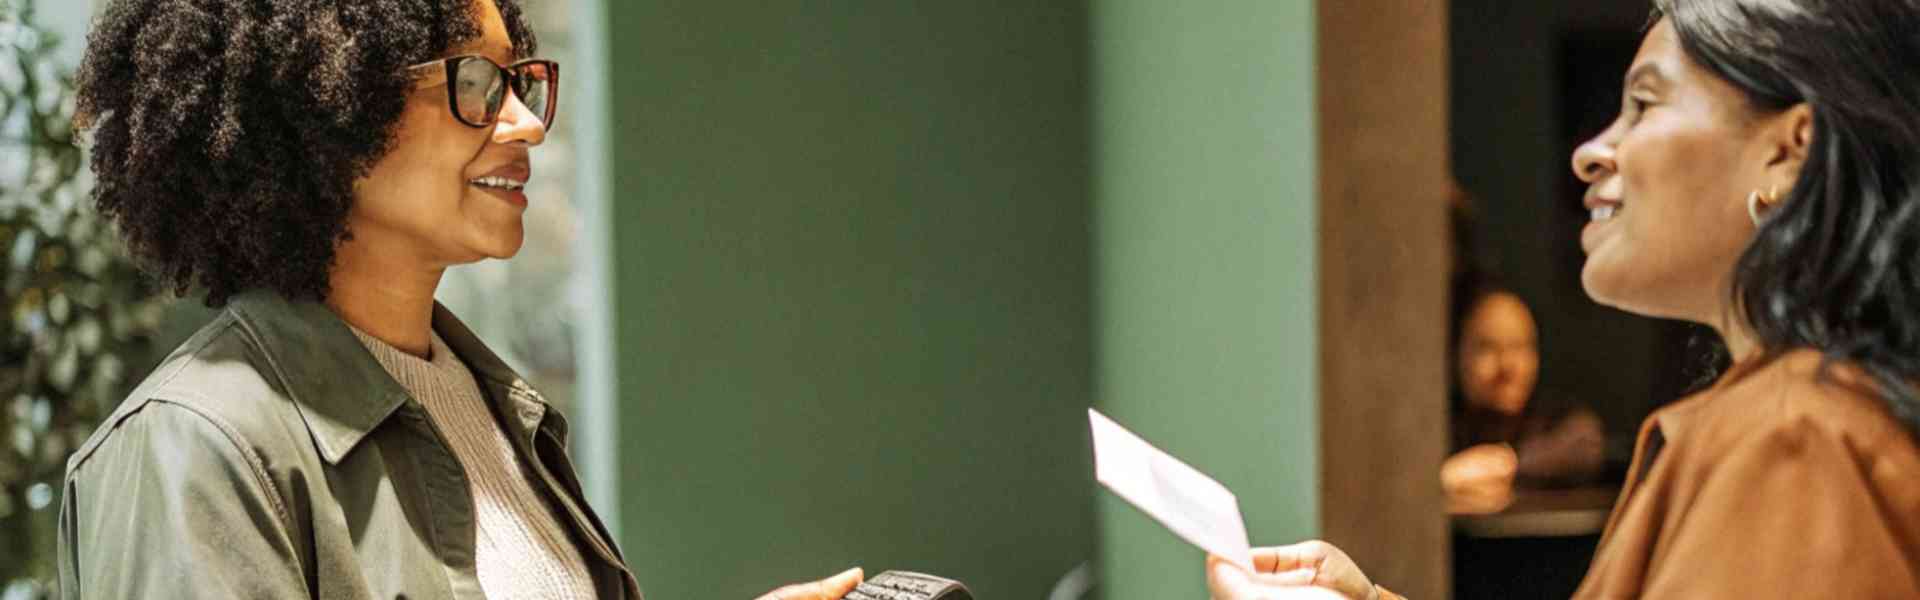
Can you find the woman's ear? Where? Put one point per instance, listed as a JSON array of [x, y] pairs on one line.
[[1790, 134]]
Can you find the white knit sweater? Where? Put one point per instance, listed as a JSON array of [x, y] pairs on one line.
[[522, 550]]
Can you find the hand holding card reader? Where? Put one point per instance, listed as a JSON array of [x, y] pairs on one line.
[[907, 585]]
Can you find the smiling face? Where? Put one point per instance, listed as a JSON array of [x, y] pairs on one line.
[[1499, 354], [1668, 183], [447, 193]]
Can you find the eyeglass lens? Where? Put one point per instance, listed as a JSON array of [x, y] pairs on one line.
[[481, 91], [534, 85]]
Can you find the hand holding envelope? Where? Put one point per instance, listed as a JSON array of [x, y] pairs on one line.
[[1206, 514], [1313, 569]]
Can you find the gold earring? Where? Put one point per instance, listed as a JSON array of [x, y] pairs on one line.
[[1755, 201]]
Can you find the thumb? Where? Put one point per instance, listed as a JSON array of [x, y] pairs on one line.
[[831, 588], [839, 585]]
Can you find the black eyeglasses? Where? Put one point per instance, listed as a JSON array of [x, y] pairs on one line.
[[477, 86]]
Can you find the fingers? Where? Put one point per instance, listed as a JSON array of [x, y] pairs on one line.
[[831, 588], [1227, 581], [1486, 461], [1497, 457], [1304, 555], [1479, 498], [1487, 455], [1463, 469], [1296, 577]]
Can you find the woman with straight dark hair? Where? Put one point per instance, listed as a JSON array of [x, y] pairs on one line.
[[1763, 178], [1504, 438]]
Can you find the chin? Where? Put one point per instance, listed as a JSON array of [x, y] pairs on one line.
[[499, 245], [1638, 296], [507, 249], [1593, 281], [1514, 408]]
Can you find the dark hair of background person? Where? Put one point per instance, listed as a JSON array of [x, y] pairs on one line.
[[1465, 258], [227, 134], [1834, 266], [1471, 280]]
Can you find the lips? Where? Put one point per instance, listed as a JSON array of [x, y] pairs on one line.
[[515, 174], [1600, 213], [505, 182], [500, 183], [1600, 209], [514, 170]]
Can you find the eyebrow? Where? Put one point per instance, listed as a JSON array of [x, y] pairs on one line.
[[487, 49], [1648, 71]]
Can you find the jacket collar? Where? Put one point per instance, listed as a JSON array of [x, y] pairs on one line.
[[522, 409], [343, 393]]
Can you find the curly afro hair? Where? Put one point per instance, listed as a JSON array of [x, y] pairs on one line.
[[227, 134]]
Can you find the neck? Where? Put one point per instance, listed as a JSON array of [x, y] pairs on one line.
[[1739, 338], [386, 297]]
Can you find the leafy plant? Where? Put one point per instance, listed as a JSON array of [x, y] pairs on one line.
[[77, 314]]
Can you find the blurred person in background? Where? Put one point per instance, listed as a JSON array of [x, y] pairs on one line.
[[1502, 437], [313, 168], [1762, 179]]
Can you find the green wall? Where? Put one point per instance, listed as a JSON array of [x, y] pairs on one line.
[[870, 263], [852, 298], [1204, 155]]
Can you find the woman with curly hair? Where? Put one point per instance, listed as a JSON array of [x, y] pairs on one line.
[[314, 168], [1763, 179]]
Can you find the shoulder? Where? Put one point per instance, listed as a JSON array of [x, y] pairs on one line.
[[1801, 394], [212, 395], [1797, 408], [1794, 463]]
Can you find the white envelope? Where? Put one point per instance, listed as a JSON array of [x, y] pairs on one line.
[[1191, 504]]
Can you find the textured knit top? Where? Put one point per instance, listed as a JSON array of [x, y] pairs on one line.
[[521, 549]]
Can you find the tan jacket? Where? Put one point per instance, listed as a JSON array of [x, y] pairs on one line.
[[1775, 483]]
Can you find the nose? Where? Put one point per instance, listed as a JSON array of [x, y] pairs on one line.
[[1594, 160], [1513, 362], [1499, 367], [517, 124]]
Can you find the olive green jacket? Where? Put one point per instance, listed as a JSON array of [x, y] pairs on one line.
[[272, 457]]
